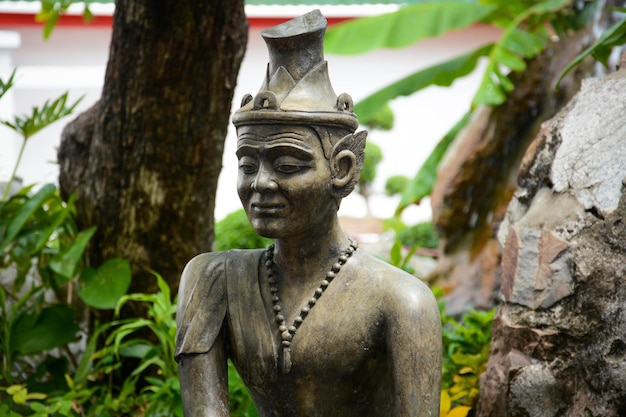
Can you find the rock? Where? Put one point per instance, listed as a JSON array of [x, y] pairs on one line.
[[476, 180], [559, 337]]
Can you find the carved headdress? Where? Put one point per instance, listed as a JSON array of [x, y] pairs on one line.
[[297, 88]]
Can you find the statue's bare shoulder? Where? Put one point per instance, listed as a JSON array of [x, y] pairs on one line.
[[401, 291]]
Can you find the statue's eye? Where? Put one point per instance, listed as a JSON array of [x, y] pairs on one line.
[[290, 165], [247, 165], [288, 168]]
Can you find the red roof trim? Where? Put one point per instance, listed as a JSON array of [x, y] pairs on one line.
[[28, 19], [69, 20]]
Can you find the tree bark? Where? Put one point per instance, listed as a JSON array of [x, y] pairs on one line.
[[145, 160]]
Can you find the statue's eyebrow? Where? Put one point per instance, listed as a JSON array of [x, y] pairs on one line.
[[275, 150], [275, 145]]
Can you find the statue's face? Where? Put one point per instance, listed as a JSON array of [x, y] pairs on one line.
[[284, 180]]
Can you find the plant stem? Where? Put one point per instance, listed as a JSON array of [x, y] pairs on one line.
[[12, 177]]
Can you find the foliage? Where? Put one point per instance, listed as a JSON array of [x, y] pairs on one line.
[[142, 349], [50, 112], [42, 252], [601, 50], [51, 11], [422, 234], [41, 264], [383, 119], [373, 156], [526, 28], [466, 352], [28, 125], [152, 388], [235, 232], [419, 236], [241, 404], [466, 344], [395, 184], [147, 343], [404, 27]]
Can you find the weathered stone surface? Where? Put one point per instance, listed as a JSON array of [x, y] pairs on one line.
[[477, 179], [535, 268], [536, 399], [590, 162], [559, 337]]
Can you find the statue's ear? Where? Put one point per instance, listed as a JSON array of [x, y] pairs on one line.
[[346, 163]]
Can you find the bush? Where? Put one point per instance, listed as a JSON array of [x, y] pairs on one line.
[[396, 184], [235, 232], [466, 345], [422, 235]]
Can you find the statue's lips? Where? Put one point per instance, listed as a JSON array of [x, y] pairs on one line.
[[267, 208]]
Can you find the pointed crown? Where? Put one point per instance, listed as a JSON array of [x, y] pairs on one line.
[[297, 88]]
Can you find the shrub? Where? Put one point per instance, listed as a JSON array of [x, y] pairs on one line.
[[235, 232], [422, 235]]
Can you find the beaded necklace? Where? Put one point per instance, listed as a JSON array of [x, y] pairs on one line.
[[287, 333]]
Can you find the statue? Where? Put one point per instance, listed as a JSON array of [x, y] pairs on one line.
[[314, 326]]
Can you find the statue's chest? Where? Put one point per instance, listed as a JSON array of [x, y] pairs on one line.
[[340, 335]]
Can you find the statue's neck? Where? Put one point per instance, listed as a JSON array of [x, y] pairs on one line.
[[309, 257]]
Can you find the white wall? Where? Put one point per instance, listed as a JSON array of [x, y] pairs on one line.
[[74, 59]]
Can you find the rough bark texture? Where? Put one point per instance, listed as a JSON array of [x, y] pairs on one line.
[[559, 346], [145, 160], [475, 186]]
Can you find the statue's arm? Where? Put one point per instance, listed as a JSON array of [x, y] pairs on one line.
[[201, 347], [414, 342], [204, 383]]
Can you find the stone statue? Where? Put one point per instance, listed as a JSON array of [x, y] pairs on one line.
[[314, 326]]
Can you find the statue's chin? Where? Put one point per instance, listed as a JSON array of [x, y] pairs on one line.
[[265, 228]]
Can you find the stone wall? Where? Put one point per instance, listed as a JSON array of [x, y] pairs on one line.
[[559, 337]]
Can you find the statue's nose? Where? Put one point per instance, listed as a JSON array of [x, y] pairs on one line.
[[264, 181]]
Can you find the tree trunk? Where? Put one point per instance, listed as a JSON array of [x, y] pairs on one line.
[[145, 160]]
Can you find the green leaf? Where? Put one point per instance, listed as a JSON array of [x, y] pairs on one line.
[[422, 184], [6, 411], [103, 287], [512, 48], [6, 86], [489, 92], [34, 203], [28, 125], [383, 119], [87, 14], [442, 74], [613, 36], [139, 351], [65, 262], [521, 42], [509, 59], [85, 365], [51, 11], [37, 332], [396, 253], [50, 221], [403, 27]]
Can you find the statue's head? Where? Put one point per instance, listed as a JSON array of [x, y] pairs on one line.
[[296, 124]]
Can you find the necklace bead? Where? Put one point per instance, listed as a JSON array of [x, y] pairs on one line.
[[287, 333]]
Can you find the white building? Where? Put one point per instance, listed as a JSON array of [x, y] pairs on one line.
[[75, 56]]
